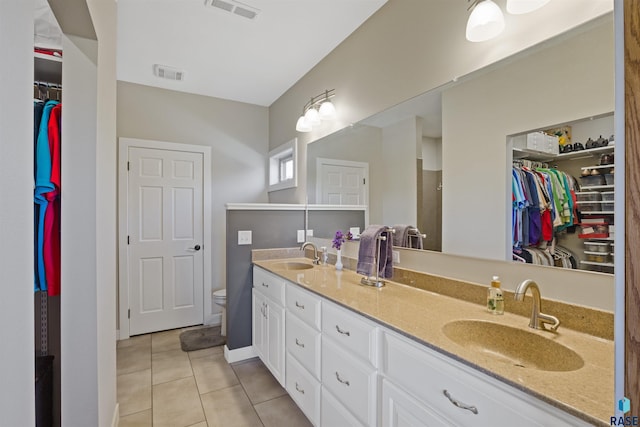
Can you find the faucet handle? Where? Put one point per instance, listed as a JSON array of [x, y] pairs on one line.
[[547, 318]]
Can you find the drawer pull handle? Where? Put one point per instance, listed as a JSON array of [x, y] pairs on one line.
[[299, 305], [345, 382], [460, 404], [265, 285], [347, 333], [299, 344], [300, 390]]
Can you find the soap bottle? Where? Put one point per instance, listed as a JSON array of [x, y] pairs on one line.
[[495, 301], [325, 255]]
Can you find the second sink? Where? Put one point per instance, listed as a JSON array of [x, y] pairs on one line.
[[512, 345]]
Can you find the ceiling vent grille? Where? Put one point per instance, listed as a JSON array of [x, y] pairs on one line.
[[168, 73], [234, 7]]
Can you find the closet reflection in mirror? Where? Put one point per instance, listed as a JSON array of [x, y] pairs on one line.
[[446, 150]]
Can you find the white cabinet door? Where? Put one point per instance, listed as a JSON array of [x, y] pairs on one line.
[[401, 410], [275, 340], [334, 414], [259, 321]]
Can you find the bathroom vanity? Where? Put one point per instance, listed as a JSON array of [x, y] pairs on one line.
[[399, 356]]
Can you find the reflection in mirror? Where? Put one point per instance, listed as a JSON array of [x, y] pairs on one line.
[[440, 160]]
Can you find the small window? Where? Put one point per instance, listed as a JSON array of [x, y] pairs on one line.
[[283, 166]]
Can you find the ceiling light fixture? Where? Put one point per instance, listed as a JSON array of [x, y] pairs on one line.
[[317, 109], [487, 21], [518, 7]]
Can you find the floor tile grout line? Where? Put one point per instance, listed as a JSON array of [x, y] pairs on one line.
[[248, 398]]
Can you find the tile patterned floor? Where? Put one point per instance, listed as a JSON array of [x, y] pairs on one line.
[[160, 385]]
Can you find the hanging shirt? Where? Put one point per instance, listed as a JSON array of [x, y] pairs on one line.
[[51, 234], [38, 106], [43, 185]]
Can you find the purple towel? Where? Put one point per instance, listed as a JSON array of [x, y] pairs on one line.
[[367, 252]]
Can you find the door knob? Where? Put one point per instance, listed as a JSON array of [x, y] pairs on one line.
[[196, 248]]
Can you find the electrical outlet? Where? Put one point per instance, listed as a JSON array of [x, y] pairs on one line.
[[301, 236], [396, 257], [244, 237]]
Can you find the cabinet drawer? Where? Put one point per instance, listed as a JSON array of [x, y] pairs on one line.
[[303, 389], [303, 342], [350, 331], [426, 375], [304, 305], [334, 414], [401, 410], [269, 285], [352, 382]]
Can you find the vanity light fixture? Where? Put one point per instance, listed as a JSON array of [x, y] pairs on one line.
[[317, 109], [487, 21], [518, 7]]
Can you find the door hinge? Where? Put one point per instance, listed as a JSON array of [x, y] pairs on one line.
[[128, 165], [364, 181], [128, 240], [129, 314]]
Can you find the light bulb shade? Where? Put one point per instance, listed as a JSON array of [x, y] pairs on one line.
[[302, 125], [518, 7], [485, 22], [312, 117], [327, 110]]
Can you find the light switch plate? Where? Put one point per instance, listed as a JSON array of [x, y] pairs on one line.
[[244, 237], [301, 236], [309, 233], [396, 257]]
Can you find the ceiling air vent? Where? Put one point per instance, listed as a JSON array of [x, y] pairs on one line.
[[234, 7], [168, 73]]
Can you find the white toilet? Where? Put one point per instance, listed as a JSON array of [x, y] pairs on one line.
[[220, 298]]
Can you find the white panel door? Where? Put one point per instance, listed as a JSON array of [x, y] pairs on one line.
[[342, 182], [165, 218]]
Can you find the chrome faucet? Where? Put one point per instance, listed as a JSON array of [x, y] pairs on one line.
[[538, 319], [316, 258]]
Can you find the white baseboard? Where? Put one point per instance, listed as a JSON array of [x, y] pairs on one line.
[[239, 354], [116, 416], [213, 319]]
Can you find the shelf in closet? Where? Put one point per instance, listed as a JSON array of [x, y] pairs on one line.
[[597, 187], [599, 264]]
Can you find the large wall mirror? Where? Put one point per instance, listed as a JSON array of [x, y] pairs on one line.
[[442, 161]]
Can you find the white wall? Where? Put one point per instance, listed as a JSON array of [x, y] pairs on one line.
[[79, 298], [524, 95], [235, 131], [103, 14], [431, 154], [394, 56], [16, 215], [400, 144]]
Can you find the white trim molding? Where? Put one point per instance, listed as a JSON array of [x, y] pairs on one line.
[[239, 354], [123, 280]]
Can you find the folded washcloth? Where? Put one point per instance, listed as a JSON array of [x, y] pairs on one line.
[[401, 236], [407, 236], [368, 249]]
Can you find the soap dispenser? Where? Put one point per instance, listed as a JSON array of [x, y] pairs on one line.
[[495, 300]]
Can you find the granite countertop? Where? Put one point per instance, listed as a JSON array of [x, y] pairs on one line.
[[587, 393]]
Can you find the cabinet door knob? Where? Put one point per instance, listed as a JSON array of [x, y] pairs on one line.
[[460, 404], [347, 333], [299, 344], [345, 382]]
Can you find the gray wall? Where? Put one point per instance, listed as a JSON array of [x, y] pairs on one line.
[[280, 233], [236, 133]]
